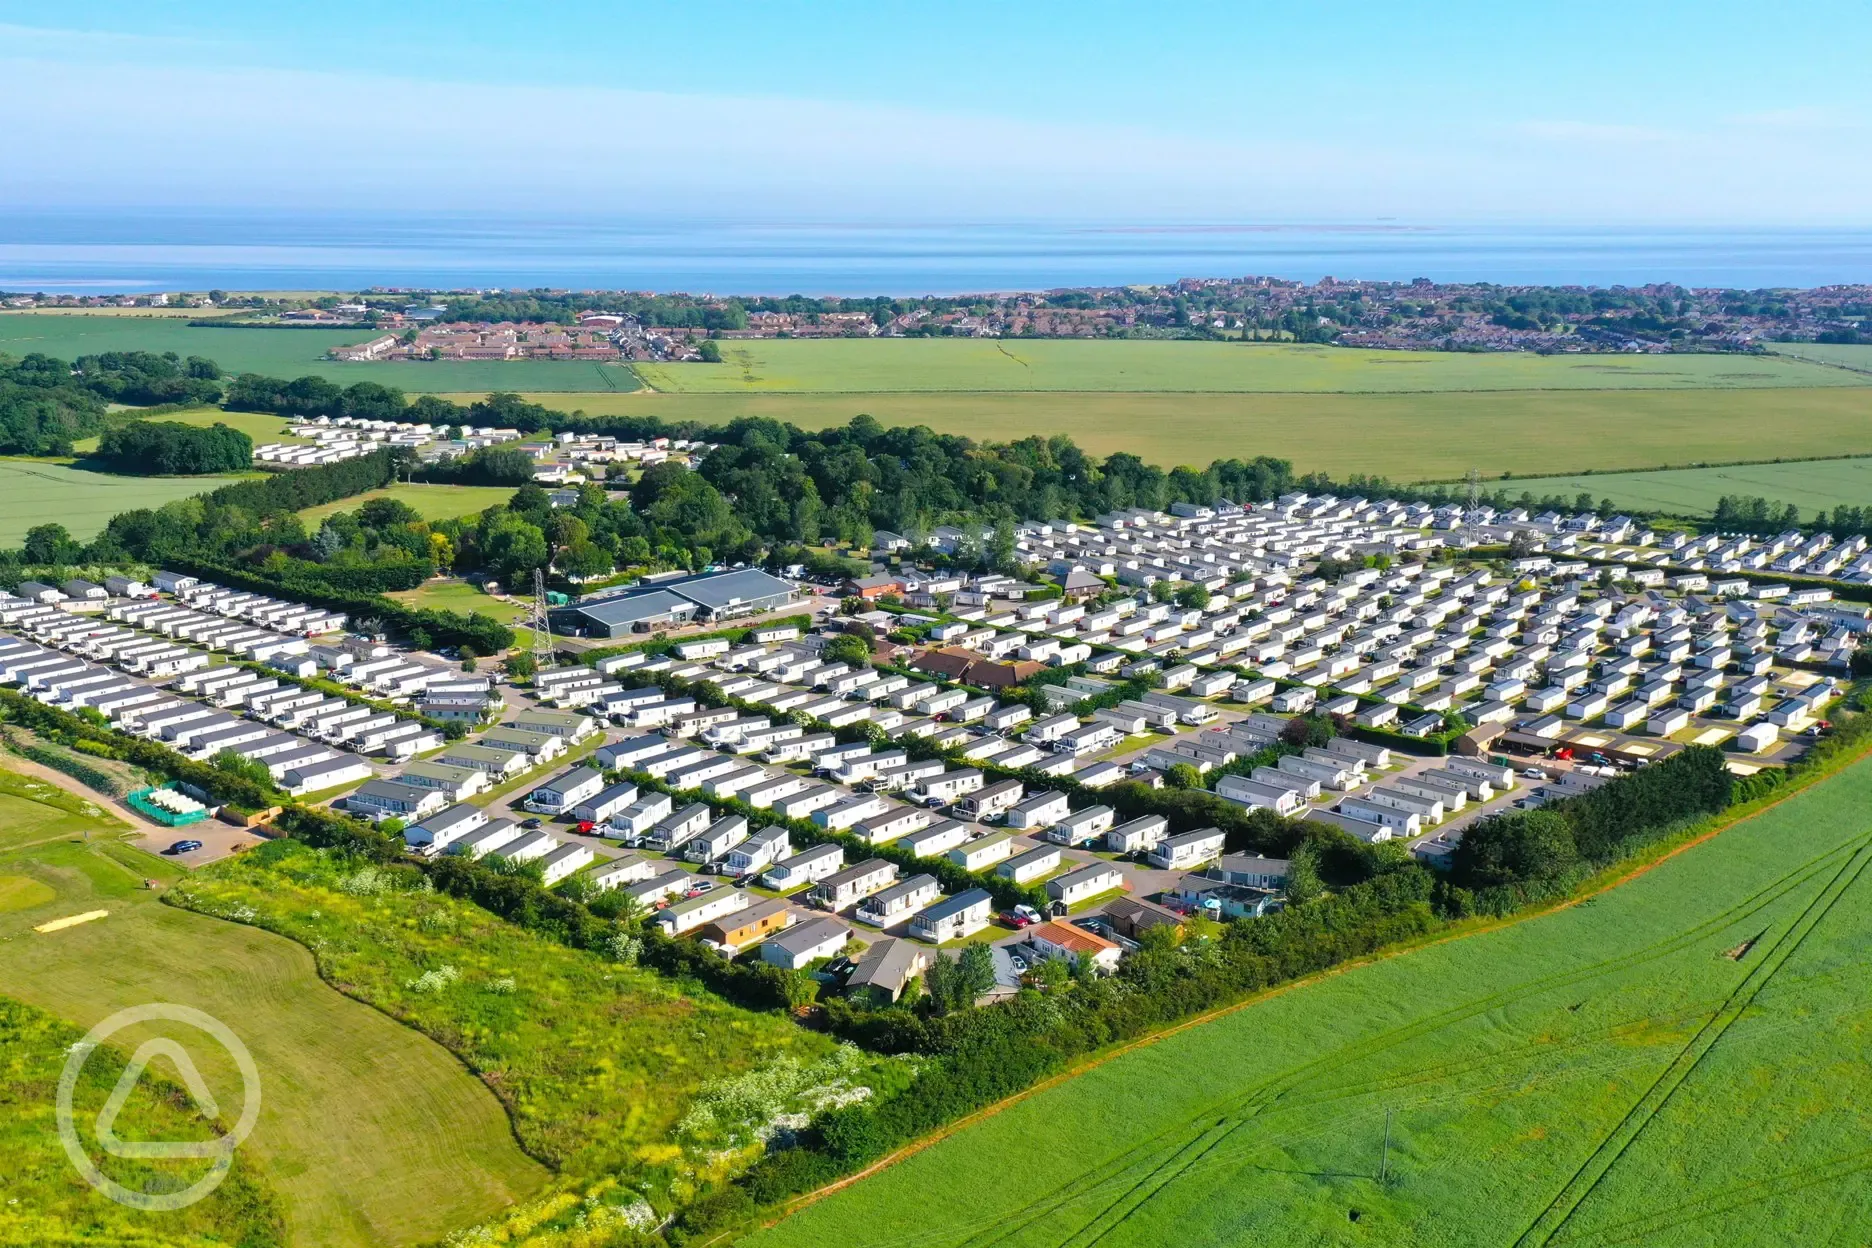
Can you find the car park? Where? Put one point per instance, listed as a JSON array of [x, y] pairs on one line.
[[183, 847]]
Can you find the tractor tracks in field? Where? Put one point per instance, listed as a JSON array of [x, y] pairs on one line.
[[1177, 1150], [1559, 1212]]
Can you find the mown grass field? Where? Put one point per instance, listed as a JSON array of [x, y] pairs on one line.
[[460, 596], [259, 426], [859, 365], [296, 353], [435, 502], [598, 1062], [1679, 1061], [369, 1133], [1405, 437], [1811, 485], [36, 491]]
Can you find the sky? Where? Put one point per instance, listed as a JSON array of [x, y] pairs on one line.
[[1711, 113]]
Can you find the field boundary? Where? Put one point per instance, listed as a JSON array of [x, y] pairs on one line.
[[1506, 481], [978, 392], [1612, 877]]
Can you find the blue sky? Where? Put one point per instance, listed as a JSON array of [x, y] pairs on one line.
[[1709, 113]]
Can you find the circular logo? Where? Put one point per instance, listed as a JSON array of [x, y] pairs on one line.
[[220, 1151]]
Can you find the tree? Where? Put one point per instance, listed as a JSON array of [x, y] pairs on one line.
[[521, 666], [1513, 848], [50, 543], [249, 769], [513, 548], [847, 648], [1162, 591], [1303, 877], [709, 351], [975, 969], [1195, 597], [327, 542], [1050, 975], [1183, 776]]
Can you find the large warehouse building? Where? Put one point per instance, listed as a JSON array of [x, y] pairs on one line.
[[670, 603]]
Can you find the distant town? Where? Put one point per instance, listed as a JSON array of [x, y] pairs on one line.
[[414, 325]]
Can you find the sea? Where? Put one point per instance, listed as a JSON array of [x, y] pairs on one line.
[[92, 250]]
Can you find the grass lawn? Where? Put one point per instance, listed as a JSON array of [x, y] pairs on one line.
[[369, 1133], [1812, 485], [1405, 437], [460, 596], [37, 491], [435, 502], [1678, 1061], [1841, 355], [295, 353], [988, 364]]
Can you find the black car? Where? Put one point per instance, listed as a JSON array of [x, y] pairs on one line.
[[530, 824], [183, 847]]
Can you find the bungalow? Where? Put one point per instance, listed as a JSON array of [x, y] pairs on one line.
[[716, 839], [1081, 827], [885, 969], [937, 839], [814, 863], [600, 806], [757, 922], [758, 851], [956, 783], [1251, 870], [439, 831], [1031, 865], [898, 901], [692, 912], [982, 852], [1187, 851], [955, 917], [678, 829], [1040, 811], [1088, 881], [642, 815], [563, 861], [630, 869], [988, 801], [1059, 939], [565, 791], [809, 942], [1139, 835], [317, 775], [496, 834], [843, 888]]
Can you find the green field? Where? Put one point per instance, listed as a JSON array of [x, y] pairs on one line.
[[435, 502], [1405, 437], [460, 596], [1841, 355], [1679, 1061], [369, 1133], [598, 1062], [259, 426], [1812, 485], [36, 491], [46, 1203], [846, 366], [296, 353]]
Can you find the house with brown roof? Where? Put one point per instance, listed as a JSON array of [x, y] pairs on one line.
[[1057, 938], [757, 922]]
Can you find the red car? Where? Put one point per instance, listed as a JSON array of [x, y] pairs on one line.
[[1015, 920], [586, 825]]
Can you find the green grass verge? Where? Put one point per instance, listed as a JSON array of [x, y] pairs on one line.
[[369, 1133], [867, 365], [1677, 1061], [1405, 437], [35, 491]]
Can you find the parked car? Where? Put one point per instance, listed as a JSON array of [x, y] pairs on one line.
[[1015, 920], [586, 825], [183, 847], [530, 824], [1018, 963], [1535, 773]]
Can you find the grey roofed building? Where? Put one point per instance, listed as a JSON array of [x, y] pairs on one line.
[[707, 596]]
